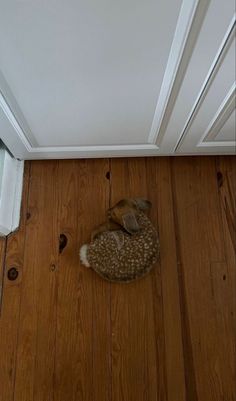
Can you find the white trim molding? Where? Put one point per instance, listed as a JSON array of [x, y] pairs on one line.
[[188, 26], [222, 51], [13, 121], [184, 90], [14, 134], [214, 104], [225, 110], [92, 151], [11, 184]]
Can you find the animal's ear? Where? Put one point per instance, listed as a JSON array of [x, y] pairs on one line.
[[130, 223], [143, 204]]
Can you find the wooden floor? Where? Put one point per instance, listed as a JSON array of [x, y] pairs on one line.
[[67, 335]]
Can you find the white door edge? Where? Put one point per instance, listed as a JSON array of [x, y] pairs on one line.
[[10, 193]]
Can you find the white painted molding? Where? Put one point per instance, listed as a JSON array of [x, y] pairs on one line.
[[68, 151], [192, 13], [225, 110], [93, 151], [31, 152], [10, 192], [220, 144], [13, 121], [208, 80], [187, 29]]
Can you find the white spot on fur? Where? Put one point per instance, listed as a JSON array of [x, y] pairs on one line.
[[83, 255]]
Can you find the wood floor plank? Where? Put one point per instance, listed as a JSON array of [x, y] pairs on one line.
[[9, 320], [2, 262], [66, 334], [226, 174], [203, 289], [160, 194], [135, 375], [2, 251], [83, 312], [36, 344]]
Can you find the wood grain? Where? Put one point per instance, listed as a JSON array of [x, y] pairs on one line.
[[36, 338], [83, 311], [135, 375], [206, 307], [2, 263], [65, 334], [226, 174], [166, 277], [9, 320]]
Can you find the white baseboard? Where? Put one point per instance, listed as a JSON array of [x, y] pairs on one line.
[[11, 183]]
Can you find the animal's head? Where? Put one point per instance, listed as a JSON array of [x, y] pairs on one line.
[[125, 213]]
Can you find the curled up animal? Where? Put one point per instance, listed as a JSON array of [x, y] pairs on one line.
[[126, 246]]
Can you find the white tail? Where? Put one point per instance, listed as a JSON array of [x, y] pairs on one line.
[[83, 255]]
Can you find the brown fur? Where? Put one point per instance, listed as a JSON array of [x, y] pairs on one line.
[[126, 246], [123, 215]]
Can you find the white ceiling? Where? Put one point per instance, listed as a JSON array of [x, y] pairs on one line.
[[86, 72]]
